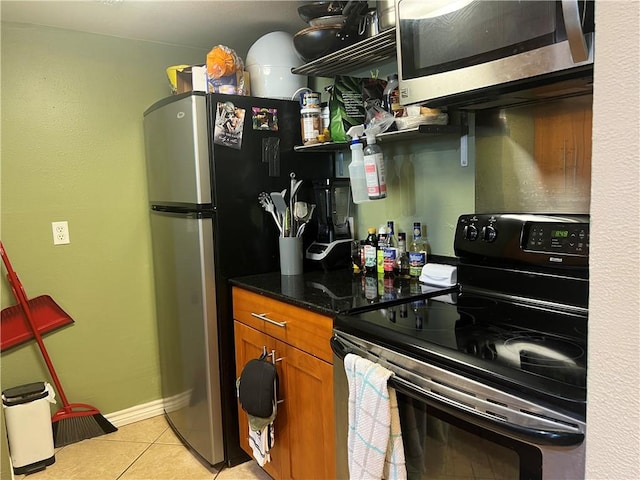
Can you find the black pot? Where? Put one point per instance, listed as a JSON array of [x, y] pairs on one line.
[[315, 42], [320, 9]]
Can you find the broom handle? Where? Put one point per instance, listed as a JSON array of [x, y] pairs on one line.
[[19, 293]]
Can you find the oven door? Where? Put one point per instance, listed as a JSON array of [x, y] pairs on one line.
[[448, 48], [454, 427]]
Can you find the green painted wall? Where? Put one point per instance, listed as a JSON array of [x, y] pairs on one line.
[[73, 149], [426, 184]]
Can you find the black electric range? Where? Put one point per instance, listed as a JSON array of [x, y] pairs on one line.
[[519, 321]]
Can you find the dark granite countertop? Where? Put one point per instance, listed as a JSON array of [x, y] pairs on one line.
[[338, 291]]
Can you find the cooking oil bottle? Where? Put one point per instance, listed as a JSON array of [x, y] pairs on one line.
[[417, 252]]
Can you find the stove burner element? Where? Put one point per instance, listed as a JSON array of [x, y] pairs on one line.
[[552, 357], [542, 351]]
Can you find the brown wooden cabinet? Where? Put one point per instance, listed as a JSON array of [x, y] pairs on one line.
[[563, 144], [304, 425]]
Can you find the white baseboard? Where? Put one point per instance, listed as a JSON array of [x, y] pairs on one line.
[[149, 410], [136, 413], [178, 401]]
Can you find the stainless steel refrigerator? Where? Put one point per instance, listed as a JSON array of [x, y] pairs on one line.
[[208, 157]]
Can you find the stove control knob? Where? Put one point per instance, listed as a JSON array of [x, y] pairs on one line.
[[489, 233], [470, 232]]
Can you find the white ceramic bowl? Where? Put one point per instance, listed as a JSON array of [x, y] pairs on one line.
[[269, 62]]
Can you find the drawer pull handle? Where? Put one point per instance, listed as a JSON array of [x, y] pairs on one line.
[[263, 316]]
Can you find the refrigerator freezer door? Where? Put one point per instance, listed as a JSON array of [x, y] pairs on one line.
[[184, 267], [177, 151]]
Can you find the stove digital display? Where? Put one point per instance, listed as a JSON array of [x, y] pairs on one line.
[[557, 238]]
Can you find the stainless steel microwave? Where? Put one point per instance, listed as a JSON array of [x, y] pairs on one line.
[[483, 53]]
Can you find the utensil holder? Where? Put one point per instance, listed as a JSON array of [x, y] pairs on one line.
[[292, 286], [290, 255]]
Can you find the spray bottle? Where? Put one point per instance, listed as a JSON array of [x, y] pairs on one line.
[[374, 166], [356, 167], [357, 174]]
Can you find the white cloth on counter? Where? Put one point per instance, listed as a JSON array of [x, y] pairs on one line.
[[439, 275], [261, 442], [374, 439]]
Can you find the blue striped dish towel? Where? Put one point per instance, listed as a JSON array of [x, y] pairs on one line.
[[374, 440]]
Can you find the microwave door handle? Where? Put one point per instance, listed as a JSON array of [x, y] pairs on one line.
[[573, 27]]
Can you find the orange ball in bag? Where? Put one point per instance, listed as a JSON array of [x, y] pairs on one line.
[[220, 63]]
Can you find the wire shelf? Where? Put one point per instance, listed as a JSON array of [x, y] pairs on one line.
[[360, 55]]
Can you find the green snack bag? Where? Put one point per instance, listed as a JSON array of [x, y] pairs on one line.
[[346, 107]]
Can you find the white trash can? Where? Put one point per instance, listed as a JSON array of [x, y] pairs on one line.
[[28, 422]]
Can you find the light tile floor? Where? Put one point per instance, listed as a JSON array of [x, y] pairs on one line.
[[145, 450]]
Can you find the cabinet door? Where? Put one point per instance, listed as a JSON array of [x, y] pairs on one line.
[[250, 344], [563, 147], [308, 397]]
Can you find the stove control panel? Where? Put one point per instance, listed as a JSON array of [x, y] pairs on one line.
[[536, 239], [565, 238]]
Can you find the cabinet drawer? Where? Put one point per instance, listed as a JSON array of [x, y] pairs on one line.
[[306, 330]]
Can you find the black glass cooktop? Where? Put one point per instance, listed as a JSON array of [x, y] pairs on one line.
[[502, 343]]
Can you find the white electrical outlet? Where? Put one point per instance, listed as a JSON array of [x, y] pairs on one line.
[[60, 233]]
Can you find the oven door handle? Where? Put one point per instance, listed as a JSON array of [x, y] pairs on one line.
[[529, 434], [338, 348]]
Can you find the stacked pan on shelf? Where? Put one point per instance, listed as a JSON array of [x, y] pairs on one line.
[[332, 26]]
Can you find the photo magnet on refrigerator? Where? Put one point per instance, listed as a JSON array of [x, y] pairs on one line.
[[229, 125]]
